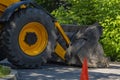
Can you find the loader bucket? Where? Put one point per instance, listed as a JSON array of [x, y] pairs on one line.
[[84, 43]]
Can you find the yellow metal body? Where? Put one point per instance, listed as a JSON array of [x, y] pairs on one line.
[[59, 50], [62, 33], [6, 3], [42, 39]]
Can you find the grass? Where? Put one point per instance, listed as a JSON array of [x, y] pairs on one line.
[[4, 71]]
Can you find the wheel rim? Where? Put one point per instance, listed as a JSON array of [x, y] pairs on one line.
[[33, 39]]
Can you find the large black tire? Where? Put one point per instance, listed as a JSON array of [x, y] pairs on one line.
[[2, 54], [11, 33]]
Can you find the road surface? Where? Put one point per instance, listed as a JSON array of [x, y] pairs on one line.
[[60, 72]]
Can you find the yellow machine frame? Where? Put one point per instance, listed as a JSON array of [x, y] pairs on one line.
[[59, 50], [5, 3]]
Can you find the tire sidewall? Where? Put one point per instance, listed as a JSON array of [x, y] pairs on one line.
[[16, 26]]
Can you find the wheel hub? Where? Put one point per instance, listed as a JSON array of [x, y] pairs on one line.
[[33, 39], [30, 38]]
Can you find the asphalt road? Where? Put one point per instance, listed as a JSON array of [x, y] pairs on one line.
[[59, 72]]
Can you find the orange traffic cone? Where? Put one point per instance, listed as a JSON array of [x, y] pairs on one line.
[[84, 73]]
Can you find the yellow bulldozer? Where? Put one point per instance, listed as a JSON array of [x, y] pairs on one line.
[[29, 35]]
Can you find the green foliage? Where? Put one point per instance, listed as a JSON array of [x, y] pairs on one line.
[[4, 71], [106, 12], [81, 12], [71, 15], [47, 4], [50, 5], [109, 17]]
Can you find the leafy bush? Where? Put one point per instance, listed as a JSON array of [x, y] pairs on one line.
[[51, 5], [4, 71], [81, 12], [106, 12], [109, 18]]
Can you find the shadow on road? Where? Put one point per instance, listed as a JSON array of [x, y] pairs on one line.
[[103, 76], [63, 72], [50, 73]]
